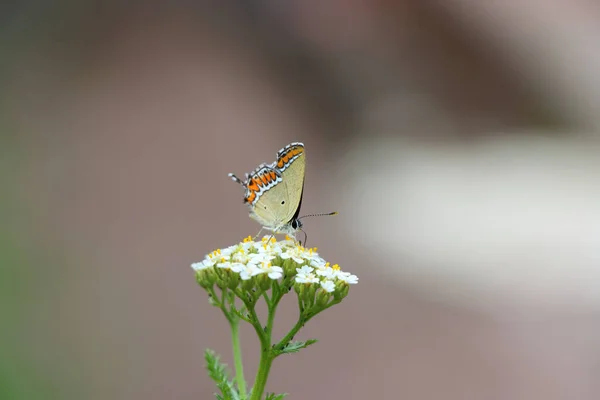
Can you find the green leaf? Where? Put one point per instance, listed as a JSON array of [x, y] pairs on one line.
[[296, 346], [228, 391], [216, 370], [273, 396], [218, 373]]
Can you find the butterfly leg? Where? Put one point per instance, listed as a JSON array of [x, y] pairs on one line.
[[305, 238], [258, 234]]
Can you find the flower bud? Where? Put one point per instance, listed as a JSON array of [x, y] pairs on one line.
[[248, 284], [234, 280], [205, 278], [323, 298], [263, 281]]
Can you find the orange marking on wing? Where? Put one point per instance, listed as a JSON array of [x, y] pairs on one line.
[[288, 155], [273, 176], [253, 185], [264, 179], [250, 198]]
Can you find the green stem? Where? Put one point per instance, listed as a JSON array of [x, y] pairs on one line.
[[262, 336], [266, 355], [291, 333], [266, 359], [237, 356], [271, 309], [302, 320]]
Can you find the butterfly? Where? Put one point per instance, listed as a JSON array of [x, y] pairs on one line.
[[273, 192]]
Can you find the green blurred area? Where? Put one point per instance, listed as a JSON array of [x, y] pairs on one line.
[[25, 264], [21, 267]]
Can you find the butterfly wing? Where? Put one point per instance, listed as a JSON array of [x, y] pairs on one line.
[[266, 196], [259, 182], [291, 161], [274, 192]]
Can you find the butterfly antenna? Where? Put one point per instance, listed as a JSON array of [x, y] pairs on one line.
[[236, 179], [319, 215], [313, 215]]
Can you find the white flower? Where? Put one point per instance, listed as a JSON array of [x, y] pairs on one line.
[[276, 272], [305, 275], [199, 266], [206, 263], [241, 256], [250, 258], [269, 246], [305, 269], [246, 271], [326, 272], [347, 277], [228, 251], [224, 264], [268, 253], [273, 271], [247, 246], [307, 278], [328, 286], [237, 267], [317, 262], [259, 258], [295, 253], [287, 243]]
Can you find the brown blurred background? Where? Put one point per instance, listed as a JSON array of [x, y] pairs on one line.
[[458, 140]]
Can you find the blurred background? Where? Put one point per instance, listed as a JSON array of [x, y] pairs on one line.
[[458, 140]]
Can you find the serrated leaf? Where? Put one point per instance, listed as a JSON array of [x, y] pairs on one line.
[[228, 391], [295, 346], [273, 396], [217, 371]]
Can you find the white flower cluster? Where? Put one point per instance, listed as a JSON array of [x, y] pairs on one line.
[[250, 259]]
